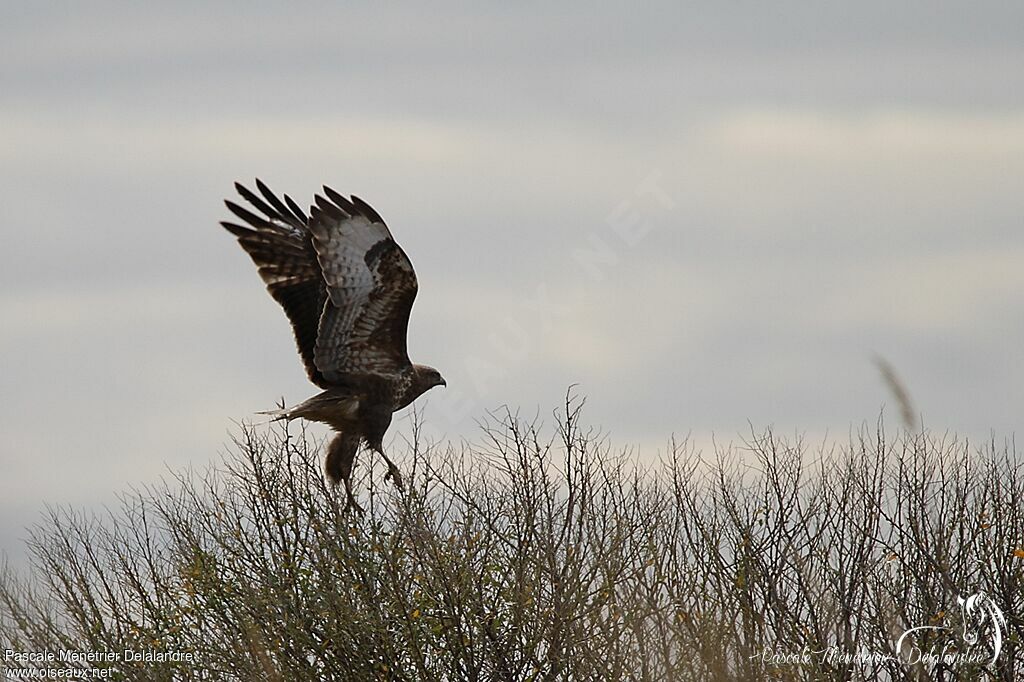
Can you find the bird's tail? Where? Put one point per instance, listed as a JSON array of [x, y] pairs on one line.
[[280, 413], [276, 415]]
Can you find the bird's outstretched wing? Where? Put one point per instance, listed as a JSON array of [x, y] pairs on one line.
[[344, 283], [281, 245], [371, 286]]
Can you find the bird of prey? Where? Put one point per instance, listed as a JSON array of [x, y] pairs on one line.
[[347, 289]]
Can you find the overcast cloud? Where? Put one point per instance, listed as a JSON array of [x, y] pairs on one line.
[[704, 215]]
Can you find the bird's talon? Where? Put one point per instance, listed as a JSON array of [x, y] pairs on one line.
[[395, 475], [352, 505]]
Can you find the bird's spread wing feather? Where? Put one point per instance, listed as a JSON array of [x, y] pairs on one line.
[[371, 287], [280, 243]]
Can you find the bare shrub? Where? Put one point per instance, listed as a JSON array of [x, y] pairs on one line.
[[541, 554]]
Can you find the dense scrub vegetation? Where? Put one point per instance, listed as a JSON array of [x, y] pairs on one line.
[[543, 554]]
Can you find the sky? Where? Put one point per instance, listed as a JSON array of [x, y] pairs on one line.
[[709, 217]]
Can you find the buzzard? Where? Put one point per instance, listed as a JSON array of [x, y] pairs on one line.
[[347, 289]]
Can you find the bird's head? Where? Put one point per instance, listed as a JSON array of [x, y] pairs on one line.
[[428, 377]]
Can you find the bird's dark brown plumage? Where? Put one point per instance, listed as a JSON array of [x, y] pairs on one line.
[[347, 289]]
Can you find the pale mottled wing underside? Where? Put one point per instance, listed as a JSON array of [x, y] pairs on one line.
[[371, 286], [344, 283]]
